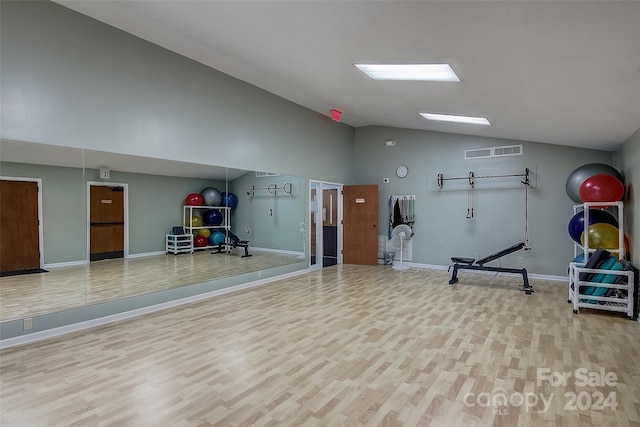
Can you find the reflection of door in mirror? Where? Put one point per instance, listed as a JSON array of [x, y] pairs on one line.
[[20, 250], [106, 222]]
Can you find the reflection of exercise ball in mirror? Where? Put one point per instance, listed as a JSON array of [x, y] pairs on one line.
[[204, 232], [230, 200], [216, 238], [211, 196], [196, 221], [194, 199]]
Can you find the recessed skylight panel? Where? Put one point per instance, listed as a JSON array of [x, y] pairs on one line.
[[456, 119], [413, 72]]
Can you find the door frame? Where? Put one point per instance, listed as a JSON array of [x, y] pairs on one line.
[[38, 182], [126, 215], [320, 186]]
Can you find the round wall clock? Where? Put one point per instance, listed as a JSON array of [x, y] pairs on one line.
[[402, 171]]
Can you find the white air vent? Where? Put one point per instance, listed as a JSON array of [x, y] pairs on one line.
[[508, 150], [478, 153], [482, 153], [263, 174]]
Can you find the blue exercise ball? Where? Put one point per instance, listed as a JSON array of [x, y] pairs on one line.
[[213, 217], [216, 238], [576, 224], [211, 196], [230, 200], [584, 172]]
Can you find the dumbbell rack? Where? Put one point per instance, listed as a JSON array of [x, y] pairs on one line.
[[625, 293]]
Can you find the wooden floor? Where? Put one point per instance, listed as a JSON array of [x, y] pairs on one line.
[[67, 287], [344, 346]]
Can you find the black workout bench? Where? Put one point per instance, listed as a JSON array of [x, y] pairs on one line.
[[234, 242], [462, 263]]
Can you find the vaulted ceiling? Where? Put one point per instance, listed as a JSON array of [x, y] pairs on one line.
[[558, 72]]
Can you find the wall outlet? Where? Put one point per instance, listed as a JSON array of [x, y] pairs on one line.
[[385, 180], [28, 324], [520, 260], [247, 230]]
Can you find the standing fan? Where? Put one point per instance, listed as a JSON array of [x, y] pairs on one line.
[[402, 232]]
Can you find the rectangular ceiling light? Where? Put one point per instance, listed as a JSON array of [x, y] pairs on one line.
[[415, 72], [456, 119]]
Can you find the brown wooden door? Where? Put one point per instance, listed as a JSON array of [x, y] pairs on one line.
[[107, 222], [19, 232], [360, 230]]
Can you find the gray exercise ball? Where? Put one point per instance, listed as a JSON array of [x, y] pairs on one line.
[[580, 175], [211, 196]]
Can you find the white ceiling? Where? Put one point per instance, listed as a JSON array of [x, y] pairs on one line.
[[558, 72]]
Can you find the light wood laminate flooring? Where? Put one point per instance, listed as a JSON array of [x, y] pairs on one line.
[[62, 288], [343, 346]]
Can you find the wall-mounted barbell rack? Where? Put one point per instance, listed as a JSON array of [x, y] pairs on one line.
[[286, 188], [471, 178]]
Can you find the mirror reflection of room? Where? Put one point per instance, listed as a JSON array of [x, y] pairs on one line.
[[108, 223]]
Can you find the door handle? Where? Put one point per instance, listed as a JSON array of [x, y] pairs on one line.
[[374, 226]]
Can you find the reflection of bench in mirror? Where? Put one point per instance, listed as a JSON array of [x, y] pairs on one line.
[[233, 242]]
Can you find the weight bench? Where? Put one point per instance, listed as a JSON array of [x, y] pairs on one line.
[[461, 263], [234, 242]]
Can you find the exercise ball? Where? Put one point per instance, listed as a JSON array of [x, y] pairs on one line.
[[211, 196], [200, 241], [576, 224], [578, 176], [204, 232], [216, 238], [213, 217], [195, 221], [601, 188], [602, 235], [230, 200], [194, 199]]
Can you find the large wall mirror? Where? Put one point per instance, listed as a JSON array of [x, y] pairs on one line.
[[91, 258]]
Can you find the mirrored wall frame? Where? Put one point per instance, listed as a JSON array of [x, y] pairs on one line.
[[155, 191]]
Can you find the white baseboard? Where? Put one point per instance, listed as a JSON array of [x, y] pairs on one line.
[[277, 251], [63, 330], [146, 254], [564, 279], [64, 264]]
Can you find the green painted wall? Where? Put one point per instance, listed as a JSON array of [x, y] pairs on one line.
[[73, 81], [155, 204], [627, 159], [273, 222], [441, 229]]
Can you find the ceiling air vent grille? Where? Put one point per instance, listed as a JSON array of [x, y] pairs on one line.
[[264, 174], [508, 150], [478, 153]]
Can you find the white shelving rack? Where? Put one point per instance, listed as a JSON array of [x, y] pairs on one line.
[[621, 294], [189, 211], [179, 244], [586, 249], [621, 301]]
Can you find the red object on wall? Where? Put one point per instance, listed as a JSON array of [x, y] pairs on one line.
[[335, 115]]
